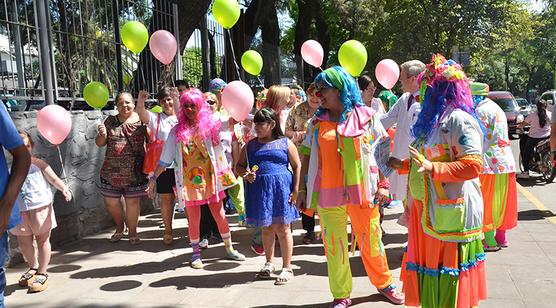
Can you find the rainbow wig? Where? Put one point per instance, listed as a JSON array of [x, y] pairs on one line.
[[445, 85], [337, 77], [207, 126]]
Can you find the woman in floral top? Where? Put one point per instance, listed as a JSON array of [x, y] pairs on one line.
[[124, 137]]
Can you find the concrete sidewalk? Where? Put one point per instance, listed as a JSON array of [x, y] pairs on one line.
[[96, 273]]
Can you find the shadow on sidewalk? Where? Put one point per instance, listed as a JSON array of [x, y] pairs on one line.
[[374, 298], [534, 214]]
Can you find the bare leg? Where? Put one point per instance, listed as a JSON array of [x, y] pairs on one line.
[[45, 251], [167, 211], [286, 243], [114, 207], [268, 242], [132, 209], [26, 246]]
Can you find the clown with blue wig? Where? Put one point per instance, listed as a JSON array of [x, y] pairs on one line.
[[444, 263], [343, 180]]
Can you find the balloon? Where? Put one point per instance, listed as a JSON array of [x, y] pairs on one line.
[[312, 53], [252, 62], [387, 73], [237, 99], [163, 46], [54, 123], [134, 36], [226, 12], [96, 94], [353, 57], [156, 109]]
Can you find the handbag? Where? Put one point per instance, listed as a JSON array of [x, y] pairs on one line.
[[153, 151]]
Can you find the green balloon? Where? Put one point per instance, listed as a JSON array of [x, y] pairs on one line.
[[353, 57], [96, 94], [134, 36], [226, 12], [252, 62], [156, 109]]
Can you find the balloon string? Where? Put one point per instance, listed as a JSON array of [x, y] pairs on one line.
[[260, 81], [62, 164], [234, 54]]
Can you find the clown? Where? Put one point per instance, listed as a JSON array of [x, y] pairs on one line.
[[498, 181], [204, 170], [444, 263], [343, 181]]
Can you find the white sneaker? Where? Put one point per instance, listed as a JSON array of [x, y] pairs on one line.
[[204, 243], [523, 175]]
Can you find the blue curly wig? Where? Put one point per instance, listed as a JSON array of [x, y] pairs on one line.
[[337, 77]]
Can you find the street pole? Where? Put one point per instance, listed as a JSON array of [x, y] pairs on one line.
[[45, 51]]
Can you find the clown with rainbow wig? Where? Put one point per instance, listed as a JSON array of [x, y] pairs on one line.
[[203, 172], [444, 263], [343, 180]]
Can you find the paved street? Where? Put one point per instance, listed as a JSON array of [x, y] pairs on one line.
[[96, 273]]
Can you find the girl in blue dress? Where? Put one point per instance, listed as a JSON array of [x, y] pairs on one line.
[[271, 189]]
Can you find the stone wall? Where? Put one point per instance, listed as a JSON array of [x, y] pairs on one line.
[[85, 214]]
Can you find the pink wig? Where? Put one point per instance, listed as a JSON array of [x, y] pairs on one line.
[[206, 125]]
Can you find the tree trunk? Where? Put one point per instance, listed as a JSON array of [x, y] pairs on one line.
[[323, 34], [191, 12], [256, 14], [302, 33], [271, 49]]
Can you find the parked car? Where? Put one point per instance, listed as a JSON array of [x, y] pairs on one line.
[[526, 107], [509, 105], [550, 98]]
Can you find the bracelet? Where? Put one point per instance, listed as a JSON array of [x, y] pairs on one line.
[[302, 190], [152, 177], [384, 184]]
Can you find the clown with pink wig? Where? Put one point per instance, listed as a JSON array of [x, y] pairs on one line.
[[444, 263], [203, 172]]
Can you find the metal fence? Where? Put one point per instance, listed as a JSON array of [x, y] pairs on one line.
[[50, 49]]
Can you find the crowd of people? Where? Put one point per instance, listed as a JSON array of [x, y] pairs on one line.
[[303, 154]]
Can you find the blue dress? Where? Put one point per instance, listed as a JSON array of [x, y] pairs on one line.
[[267, 198]]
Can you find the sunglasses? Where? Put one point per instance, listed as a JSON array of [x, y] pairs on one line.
[[211, 102]]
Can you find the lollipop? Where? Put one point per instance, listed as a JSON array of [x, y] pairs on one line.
[[255, 168]]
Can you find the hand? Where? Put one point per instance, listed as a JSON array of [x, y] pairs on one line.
[[102, 131], [395, 163], [298, 136], [420, 160], [151, 191], [250, 176], [143, 96], [4, 213], [301, 202], [293, 197], [382, 195], [67, 194]]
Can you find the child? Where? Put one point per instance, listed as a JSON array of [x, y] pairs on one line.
[[37, 218], [271, 190]]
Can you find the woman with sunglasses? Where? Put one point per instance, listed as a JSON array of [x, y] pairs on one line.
[[205, 169], [344, 182]]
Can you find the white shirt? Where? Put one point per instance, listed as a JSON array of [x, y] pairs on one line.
[[35, 192], [166, 124], [404, 120]]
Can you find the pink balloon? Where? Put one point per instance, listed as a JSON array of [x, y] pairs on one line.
[[163, 46], [312, 53], [54, 123], [238, 99], [387, 73]]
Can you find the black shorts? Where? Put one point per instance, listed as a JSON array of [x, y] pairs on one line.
[[165, 182]]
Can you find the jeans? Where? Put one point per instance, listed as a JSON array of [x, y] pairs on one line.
[[2, 286], [3, 259]]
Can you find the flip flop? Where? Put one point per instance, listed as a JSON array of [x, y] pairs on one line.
[[116, 237]]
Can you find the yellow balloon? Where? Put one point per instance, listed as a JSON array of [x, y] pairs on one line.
[[226, 12], [252, 62], [134, 36], [353, 57]]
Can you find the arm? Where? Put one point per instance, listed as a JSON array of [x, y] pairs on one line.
[[102, 136], [302, 195], [18, 173], [391, 117], [242, 169], [144, 114], [296, 167], [53, 179], [464, 168]]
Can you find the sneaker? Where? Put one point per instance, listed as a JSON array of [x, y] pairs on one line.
[[236, 256], [197, 264], [341, 303], [392, 294], [523, 175], [258, 249], [309, 238], [504, 244], [204, 243]]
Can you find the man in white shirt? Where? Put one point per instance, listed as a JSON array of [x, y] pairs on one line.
[[403, 114]]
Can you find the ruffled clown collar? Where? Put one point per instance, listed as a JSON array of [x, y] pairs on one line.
[[356, 121]]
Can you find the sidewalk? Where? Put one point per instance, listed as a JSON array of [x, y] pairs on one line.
[[96, 273]]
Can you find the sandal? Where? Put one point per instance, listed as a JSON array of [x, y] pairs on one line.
[[116, 237], [26, 278], [285, 276], [167, 239], [134, 240], [39, 284], [266, 271]]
